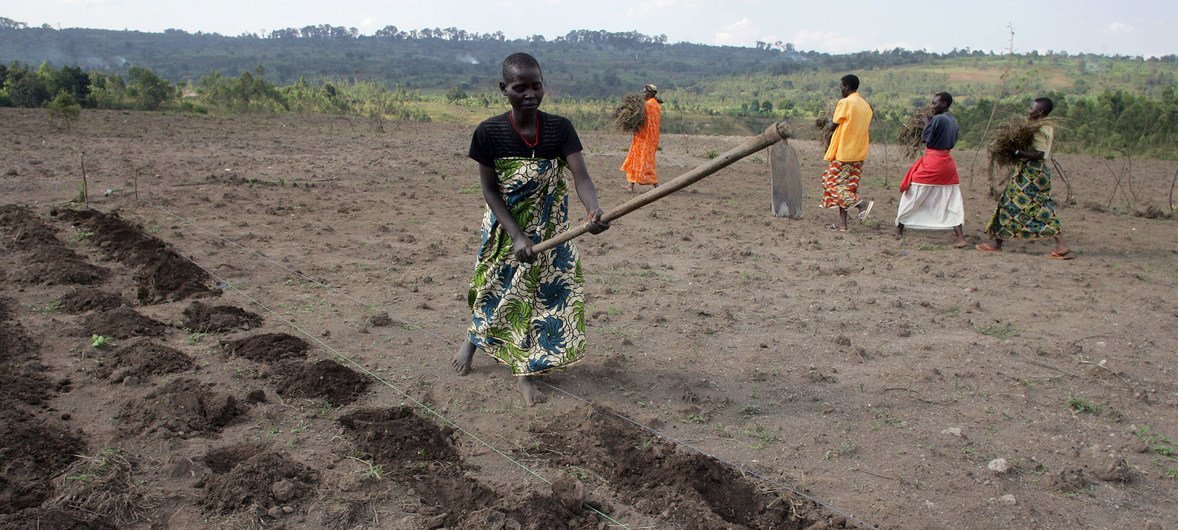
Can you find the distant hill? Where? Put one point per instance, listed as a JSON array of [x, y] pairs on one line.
[[1113, 104]]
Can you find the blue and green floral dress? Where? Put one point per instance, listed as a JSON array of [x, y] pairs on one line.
[[530, 316]]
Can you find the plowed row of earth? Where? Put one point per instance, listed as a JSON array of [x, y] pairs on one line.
[[279, 380]]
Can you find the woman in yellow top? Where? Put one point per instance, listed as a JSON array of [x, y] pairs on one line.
[[640, 165], [846, 153], [1025, 209]]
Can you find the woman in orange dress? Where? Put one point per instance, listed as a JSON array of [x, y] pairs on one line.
[[640, 165]]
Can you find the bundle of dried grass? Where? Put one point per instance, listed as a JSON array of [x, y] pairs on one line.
[[630, 116], [825, 131], [103, 485], [1018, 133], [912, 131]]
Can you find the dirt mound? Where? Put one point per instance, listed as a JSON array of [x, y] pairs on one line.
[[164, 275], [118, 238], [23, 384], [396, 437], [57, 265], [47, 261], [86, 299], [25, 229], [667, 481], [122, 323], [326, 380], [105, 485], [265, 481], [223, 459], [31, 450], [171, 278], [184, 407], [203, 318], [16, 346], [267, 347], [55, 518], [141, 358]]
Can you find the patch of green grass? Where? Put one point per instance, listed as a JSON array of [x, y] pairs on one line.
[[1172, 473], [371, 469], [101, 341], [473, 188], [195, 338], [51, 308], [844, 449], [750, 410], [613, 311], [763, 437], [711, 154], [83, 235], [698, 418], [1001, 331], [930, 246], [1082, 405]]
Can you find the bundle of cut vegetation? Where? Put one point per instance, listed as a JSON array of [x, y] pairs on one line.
[[630, 116], [825, 130], [1018, 133], [104, 485], [912, 131]]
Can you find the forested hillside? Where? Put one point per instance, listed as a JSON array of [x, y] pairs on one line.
[[1112, 104]]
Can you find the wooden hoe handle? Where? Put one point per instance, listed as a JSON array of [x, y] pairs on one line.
[[775, 133]]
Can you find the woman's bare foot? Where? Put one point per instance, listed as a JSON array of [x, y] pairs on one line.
[[960, 243], [532, 394], [900, 231], [463, 358], [628, 187]]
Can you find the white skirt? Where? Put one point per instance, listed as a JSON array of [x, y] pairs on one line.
[[931, 207]]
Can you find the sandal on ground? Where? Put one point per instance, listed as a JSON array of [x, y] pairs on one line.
[[1059, 255], [985, 247], [833, 226]]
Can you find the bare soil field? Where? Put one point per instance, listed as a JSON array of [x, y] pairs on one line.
[[252, 326]]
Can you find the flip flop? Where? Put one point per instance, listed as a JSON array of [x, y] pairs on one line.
[[833, 226], [1056, 255], [985, 247], [866, 211]]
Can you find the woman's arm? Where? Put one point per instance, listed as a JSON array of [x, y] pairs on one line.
[[586, 191]]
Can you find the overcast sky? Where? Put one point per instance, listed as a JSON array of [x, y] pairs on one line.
[[1128, 27]]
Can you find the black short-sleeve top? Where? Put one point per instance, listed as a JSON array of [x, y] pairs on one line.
[[496, 138]]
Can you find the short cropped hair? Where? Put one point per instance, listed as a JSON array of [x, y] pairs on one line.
[[518, 61], [851, 81], [1047, 104], [946, 97]]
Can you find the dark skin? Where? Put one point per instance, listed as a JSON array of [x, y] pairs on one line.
[[647, 93], [939, 107], [1038, 111], [524, 89], [862, 204]]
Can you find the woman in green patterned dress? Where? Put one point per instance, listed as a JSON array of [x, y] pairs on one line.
[[528, 310], [1026, 209]]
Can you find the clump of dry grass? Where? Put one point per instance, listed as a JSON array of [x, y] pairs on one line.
[[103, 485], [912, 131], [630, 116], [825, 131], [1018, 133]]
